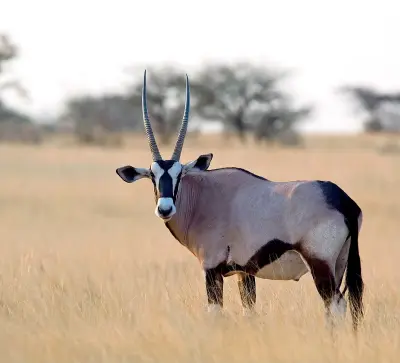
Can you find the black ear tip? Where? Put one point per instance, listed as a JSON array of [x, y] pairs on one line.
[[118, 172]]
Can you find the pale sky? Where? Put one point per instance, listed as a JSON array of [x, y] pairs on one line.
[[75, 45]]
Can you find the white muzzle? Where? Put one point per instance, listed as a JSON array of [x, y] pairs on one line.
[[165, 208]]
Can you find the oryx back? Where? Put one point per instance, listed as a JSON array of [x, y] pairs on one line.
[[233, 216]]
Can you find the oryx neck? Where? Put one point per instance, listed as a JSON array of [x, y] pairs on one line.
[[190, 191]]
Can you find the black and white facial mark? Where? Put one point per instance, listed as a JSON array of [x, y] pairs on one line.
[[166, 176]]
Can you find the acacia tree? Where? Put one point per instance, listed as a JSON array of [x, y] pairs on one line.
[[279, 121], [8, 53], [245, 97], [370, 101], [107, 113], [14, 125]]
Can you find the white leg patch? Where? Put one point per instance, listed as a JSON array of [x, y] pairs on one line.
[[338, 308], [214, 309], [336, 311]]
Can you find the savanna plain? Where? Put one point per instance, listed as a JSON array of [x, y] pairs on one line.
[[88, 273]]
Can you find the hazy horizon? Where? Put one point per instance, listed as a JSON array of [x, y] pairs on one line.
[[74, 47]]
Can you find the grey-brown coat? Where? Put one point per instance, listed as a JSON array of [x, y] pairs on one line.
[[236, 222]]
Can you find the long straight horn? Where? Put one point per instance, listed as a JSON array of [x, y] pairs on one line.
[[182, 132], [155, 153]]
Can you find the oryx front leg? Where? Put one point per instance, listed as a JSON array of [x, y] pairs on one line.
[[215, 290], [247, 290]]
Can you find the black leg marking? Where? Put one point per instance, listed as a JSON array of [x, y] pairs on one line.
[[323, 279], [267, 254], [215, 286], [247, 290]]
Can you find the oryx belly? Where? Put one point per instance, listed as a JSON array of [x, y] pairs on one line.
[[290, 266]]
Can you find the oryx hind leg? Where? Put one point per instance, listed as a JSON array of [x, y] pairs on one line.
[[247, 290], [340, 303], [321, 251], [341, 262], [323, 273], [338, 306]]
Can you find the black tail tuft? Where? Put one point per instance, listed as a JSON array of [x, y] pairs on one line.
[[354, 281], [337, 199]]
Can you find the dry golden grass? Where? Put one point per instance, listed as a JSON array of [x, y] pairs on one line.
[[89, 274]]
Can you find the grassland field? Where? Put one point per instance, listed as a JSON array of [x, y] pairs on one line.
[[88, 273]]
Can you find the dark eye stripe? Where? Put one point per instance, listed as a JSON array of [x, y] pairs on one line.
[[165, 186]]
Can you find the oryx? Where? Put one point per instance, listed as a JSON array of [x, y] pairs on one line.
[[236, 222]]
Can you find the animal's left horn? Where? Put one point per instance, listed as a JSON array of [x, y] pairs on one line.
[[155, 153], [182, 132]]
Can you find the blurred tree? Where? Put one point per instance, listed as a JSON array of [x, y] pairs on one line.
[[14, 125], [278, 122], [8, 53], [91, 115], [244, 97], [375, 105], [8, 50], [165, 99]]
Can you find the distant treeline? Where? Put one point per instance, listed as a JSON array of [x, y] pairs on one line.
[[248, 100]]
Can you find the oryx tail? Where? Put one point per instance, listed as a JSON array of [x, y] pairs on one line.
[[354, 280]]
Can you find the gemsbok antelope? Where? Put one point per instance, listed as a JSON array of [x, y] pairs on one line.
[[236, 222]]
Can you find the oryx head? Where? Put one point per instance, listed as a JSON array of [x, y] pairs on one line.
[[165, 174]]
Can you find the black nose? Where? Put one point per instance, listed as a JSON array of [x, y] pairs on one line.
[[165, 212]]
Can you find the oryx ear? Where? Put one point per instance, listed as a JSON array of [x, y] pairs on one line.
[[200, 164], [130, 174]]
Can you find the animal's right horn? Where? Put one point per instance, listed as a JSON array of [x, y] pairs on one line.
[[155, 153], [182, 132]]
